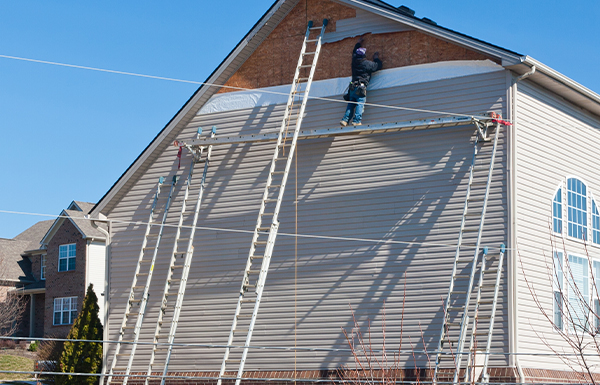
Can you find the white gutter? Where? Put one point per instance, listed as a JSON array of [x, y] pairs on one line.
[[552, 73]]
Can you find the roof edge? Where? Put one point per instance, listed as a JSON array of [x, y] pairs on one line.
[[95, 211]]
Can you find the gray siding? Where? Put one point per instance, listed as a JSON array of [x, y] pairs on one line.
[[554, 140], [405, 189]]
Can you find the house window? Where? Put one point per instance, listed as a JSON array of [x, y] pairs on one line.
[[577, 208], [595, 294], [578, 288], [65, 310], [557, 212], [66, 257], [595, 223], [43, 266], [557, 284]]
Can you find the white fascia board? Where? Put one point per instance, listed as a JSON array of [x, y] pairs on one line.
[[506, 57], [50, 233], [552, 73], [184, 111]]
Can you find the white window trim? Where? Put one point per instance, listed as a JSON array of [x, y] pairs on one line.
[[54, 311], [562, 210], [591, 226], [554, 288], [566, 212], [568, 287], [67, 258], [43, 267]]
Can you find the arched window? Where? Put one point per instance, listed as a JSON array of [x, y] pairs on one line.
[[595, 223], [557, 212], [577, 208]]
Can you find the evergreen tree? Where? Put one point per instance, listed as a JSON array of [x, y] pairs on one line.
[[83, 357]]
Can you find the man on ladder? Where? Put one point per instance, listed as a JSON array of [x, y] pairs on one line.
[[361, 75]]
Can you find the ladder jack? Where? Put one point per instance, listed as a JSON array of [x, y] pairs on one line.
[[263, 240], [141, 299], [456, 306], [173, 265]]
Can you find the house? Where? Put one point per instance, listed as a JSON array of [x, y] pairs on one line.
[[377, 216], [16, 274], [57, 263]]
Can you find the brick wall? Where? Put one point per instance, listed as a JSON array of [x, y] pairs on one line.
[[65, 283], [40, 306], [274, 61], [36, 266]]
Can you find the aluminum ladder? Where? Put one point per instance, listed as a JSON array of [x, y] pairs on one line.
[[141, 300], [263, 240], [185, 266], [461, 285], [484, 273]]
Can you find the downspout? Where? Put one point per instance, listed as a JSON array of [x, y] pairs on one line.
[[106, 283], [514, 271]]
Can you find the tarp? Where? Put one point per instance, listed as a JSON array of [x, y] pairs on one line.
[[388, 78]]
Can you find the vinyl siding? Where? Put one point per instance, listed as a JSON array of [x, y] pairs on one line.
[[96, 273], [396, 198], [554, 140]]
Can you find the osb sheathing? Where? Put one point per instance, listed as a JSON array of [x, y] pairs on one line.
[[274, 61]]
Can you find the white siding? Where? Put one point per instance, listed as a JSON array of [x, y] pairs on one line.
[[97, 272], [554, 140], [395, 187]]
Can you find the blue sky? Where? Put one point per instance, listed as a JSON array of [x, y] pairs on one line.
[[68, 134]]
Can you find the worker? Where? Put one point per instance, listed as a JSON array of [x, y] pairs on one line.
[[361, 75]]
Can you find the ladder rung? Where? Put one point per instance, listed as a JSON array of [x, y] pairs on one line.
[[487, 301], [248, 300], [253, 271], [458, 292], [244, 315], [141, 274], [263, 229], [453, 323], [278, 173], [274, 186], [281, 158], [241, 330], [138, 287], [484, 317], [267, 214], [476, 199], [470, 230], [135, 313], [260, 242], [174, 280], [302, 80], [455, 308], [128, 327], [461, 260], [490, 271], [183, 239], [309, 53], [315, 28], [270, 201], [462, 275], [306, 66], [488, 285], [312, 40], [258, 256], [177, 266], [123, 354], [479, 183], [120, 368]]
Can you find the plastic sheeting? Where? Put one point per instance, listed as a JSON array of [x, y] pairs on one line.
[[393, 77]]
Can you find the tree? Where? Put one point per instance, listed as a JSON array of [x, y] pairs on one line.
[[12, 304], [83, 357]]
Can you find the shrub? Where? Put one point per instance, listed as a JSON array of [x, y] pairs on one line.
[[33, 347]]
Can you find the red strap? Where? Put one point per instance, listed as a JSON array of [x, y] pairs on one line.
[[179, 157], [504, 122]]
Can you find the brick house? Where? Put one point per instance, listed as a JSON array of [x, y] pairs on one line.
[[59, 265]]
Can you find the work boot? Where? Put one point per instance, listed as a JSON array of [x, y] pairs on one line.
[[356, 123], [343, 123]]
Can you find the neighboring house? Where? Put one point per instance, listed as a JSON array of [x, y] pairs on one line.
[[405, 190], [16, 273], [61, 259]]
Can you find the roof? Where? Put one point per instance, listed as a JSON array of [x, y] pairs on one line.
[[13, 266], [280, 8], [85, 207], [80, 220], [32, 288]]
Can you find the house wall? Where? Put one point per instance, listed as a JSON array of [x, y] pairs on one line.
[[36, 266], [554, 140], [65, 283], [395, 187], [96, 273], [274, 61]]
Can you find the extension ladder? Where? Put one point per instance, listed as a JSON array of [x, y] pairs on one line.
[[472, 367], [173, 265], [461, 285], [263, 240], [134, 298]]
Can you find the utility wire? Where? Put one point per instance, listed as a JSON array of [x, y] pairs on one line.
[[231, 87], [314, 236]]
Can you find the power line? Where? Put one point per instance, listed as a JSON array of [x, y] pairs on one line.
[[230, 87], [314, 236]]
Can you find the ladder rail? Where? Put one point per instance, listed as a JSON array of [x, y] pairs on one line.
[[273, 228], [485, 374], [186, 265], [469, 372], [167, 284], [135, 275], [144, 299], [464, 325]]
